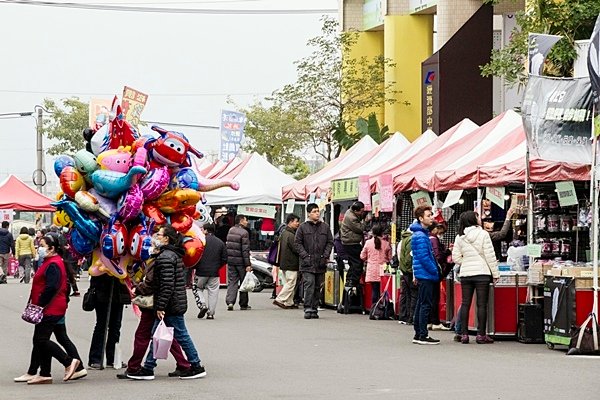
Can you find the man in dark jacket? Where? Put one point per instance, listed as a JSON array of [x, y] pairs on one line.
[[425, 271], [313, 242], [207, 273], [7, 247], [238, 262], [288, 262], [352, 233]]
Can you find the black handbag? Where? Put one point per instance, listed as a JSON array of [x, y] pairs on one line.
[[383, 309], [585, 340], [89, 300]]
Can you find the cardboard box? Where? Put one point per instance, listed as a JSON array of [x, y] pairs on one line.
[[576, 272], [584, 283], [554, 272]]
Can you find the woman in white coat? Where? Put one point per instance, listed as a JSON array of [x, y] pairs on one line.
[[474, 251]]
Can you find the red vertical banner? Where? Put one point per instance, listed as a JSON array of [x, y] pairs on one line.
[[386, 190], [364, 191]]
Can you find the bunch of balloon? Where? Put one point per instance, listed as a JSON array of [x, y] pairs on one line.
[[121, 187]]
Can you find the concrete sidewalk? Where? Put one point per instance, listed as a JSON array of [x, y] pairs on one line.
[[270, 353]]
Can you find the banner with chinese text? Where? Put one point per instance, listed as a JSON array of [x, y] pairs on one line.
[[232, 134], [257, 210], [345, 189], [557, 118], [132, 105]]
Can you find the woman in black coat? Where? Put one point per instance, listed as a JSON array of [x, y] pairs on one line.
[[170, 302]]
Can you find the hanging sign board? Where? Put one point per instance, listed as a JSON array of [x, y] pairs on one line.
[[257, 210], [289, 207], [566, 193], [534, 250], [6, 215], [376, 204], [364, 191], [345, 189], [496, 195], [421, 198], [452, 198], [312, 197], [386, 191]]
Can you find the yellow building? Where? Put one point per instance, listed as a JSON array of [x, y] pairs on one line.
[[408, 32]]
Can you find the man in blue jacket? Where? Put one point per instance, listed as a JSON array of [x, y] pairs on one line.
[[425, 272]]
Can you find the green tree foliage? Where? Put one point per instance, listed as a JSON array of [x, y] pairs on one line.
[[65, 123], [334, 91], [364, 127], [276, 133], [571, 19], [298, 170]]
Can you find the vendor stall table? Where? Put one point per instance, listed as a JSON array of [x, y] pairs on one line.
[[503, 306]]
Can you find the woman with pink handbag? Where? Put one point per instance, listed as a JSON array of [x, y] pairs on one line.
[[49, 291]]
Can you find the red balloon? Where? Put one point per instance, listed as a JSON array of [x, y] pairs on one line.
[[151, 211], [181, 222], [194, 248]]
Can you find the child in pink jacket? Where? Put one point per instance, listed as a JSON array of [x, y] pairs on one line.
[[377, 252]]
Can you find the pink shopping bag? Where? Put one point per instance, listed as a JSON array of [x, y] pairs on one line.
[[161, 341]]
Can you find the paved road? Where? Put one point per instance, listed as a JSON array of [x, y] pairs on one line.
[[269, 353]]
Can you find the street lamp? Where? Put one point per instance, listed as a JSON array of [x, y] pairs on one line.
[[39, 175]]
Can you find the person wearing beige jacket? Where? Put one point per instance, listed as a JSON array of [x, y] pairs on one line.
[[474, 251], [25, 253]]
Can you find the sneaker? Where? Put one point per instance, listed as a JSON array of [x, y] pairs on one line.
[[70, 370], [429, 327], [24, 378], [464, 339], [439, 327], [280, 304], [245, 308], [210, 316], [142, 375], [484, 339], [193, 373], [401, 322], [177, 373], [457, 338], [428, 340], [203, 311], [95, 366], [82, 373], [308, 315], [124, 375], [40, 380], [229, 307], [415, 340], [314, 315]]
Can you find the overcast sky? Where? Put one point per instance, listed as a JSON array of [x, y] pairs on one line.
[[187, 63]]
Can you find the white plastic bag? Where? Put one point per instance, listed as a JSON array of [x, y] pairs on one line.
[[161, 341], [249, 283]]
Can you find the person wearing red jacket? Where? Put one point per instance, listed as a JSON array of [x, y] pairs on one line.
[[49, 290]]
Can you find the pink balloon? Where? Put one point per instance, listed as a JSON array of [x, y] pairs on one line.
[[155, 182], [130, 204]]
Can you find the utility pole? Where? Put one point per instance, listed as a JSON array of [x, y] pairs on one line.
[[39, 172]]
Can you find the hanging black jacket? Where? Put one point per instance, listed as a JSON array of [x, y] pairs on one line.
[[169, 281]]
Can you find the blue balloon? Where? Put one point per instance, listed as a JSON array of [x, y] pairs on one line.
[[185, 178], [81, 221], [61, 162], [80, 243]]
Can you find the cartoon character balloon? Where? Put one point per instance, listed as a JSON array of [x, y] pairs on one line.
[[140, 242], [71, 181], [194, 248], [61, 162], [170, 149], [185, 178], [114, 239]]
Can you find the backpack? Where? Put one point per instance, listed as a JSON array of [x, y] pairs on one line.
[[273, 256], [405, 255]]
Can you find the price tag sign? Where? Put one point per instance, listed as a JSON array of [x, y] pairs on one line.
[[566, 193], [496, 195], [534, 250], [421, 198]]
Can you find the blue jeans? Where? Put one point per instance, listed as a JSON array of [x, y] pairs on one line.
[[182, 336], [423, 308]]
